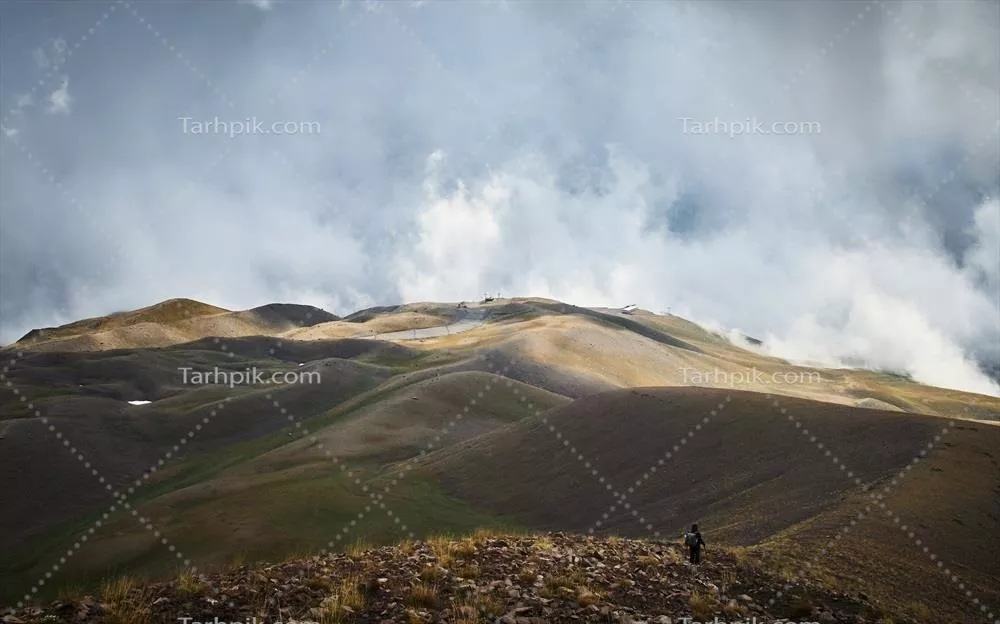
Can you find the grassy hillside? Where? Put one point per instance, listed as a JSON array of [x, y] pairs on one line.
[[545, 416]]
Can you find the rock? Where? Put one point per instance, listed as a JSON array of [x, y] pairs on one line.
[[513, 572]]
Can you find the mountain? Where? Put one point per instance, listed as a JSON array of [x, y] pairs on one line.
[[171, 322], [489, 577], [521, 415]]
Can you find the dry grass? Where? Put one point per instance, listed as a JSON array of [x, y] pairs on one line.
[[431, 573], [424, 596], [348, 597], [358, 548], [485, 533], [477, 609], [323, 583], [468, 571], [543, 543], [703, 607], [464, 548], [556, 585], [441, 546], [527, 576], [189, 584], [586, 597], [412, 617], [238, 560], [127, 602], [490, 606], [648, 561], [117, 589]]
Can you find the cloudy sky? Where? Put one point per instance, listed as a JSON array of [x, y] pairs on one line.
[[587, 152]]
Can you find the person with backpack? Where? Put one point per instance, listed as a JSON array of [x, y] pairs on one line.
[[694, 542]]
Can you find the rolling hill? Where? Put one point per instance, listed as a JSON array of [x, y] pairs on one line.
[[539, 415]]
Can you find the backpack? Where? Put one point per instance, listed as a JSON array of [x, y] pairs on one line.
[[691, 539]]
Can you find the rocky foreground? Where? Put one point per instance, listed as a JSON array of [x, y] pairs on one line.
[[486, 578]]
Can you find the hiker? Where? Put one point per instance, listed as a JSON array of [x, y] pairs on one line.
[[694, 542]]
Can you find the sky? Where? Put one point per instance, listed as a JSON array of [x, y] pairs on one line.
[[819, 175]]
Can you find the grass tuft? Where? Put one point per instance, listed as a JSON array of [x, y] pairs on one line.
[[703, 607], [127, 602], [423, 595], [189, 583]]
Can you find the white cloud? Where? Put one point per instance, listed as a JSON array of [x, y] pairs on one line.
[[263, 5], [984, 256], [41, 58], [53, 54], [813, 243], [518, 231], [60, 100]]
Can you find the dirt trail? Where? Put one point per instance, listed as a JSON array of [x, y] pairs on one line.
[[465, 320]]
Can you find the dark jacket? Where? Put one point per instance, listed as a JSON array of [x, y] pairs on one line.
[[694, 540]]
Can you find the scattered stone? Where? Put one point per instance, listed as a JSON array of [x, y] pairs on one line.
[[514, 580]]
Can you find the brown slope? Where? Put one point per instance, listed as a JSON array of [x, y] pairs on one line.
[[748, 469], [750, 474], [949, 501], [402, 420], [169, 311], [172, 322], [121, 441]]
